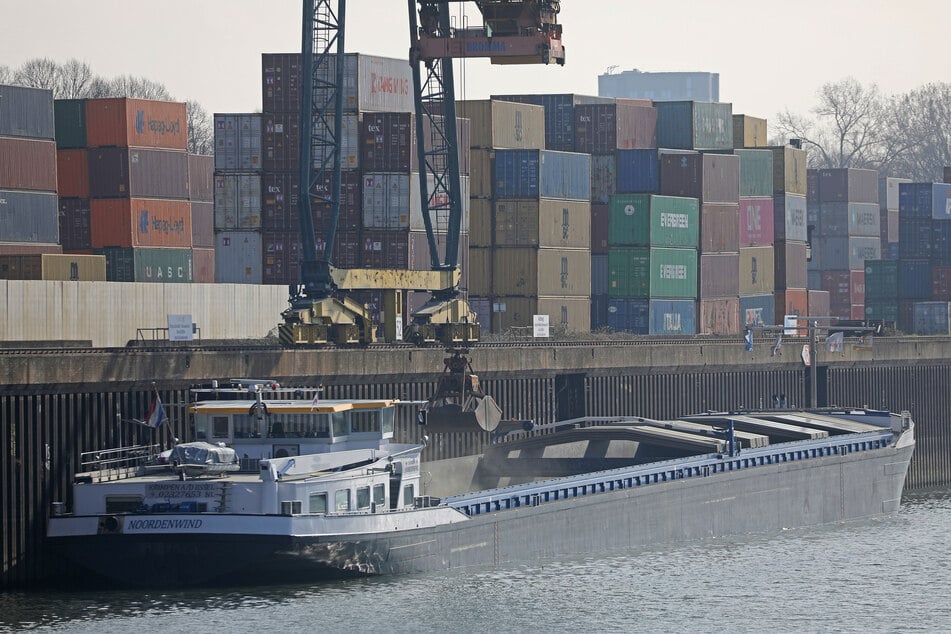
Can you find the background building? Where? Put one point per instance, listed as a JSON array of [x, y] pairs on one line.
[[636, 84]]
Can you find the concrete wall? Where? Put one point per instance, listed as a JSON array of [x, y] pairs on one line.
[[108, 313]]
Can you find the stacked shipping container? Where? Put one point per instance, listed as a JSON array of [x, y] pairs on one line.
[[790, 233], [237, 198]]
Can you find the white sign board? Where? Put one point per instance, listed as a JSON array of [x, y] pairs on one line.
[[790, 325], [180, 328], [540, 325], [399, 328]]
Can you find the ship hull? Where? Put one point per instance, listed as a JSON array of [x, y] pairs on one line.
[[762, 499]]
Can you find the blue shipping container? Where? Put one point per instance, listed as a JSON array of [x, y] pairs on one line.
[[924, 200], [694, 125], [673, 317], [914, 238], [914, 279], [931, 318], [941, 242], [533, 174], [600, 274], [26, 112], [629, 315], [559, 115], [758, 310], [29, 217], [599, 312], [638, 171]]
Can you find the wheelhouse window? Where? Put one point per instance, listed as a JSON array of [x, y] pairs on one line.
[[219, 427], [363, 498], [408, 495], [365, 421], [388, 416], [201, 428], [379, 493], [341, 423], [342, 501], [245, 426], [318, 503]]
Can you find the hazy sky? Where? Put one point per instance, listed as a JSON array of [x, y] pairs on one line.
[[770, 54]]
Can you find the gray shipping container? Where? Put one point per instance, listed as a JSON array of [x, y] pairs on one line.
[[389, 199], [29, 217], [694, 125], [790, 218], [238, 257], [238, 142], [842, 219], [237, 200], [931, 318], [26, 112], [888, 192], [846, 253], [122, 172]]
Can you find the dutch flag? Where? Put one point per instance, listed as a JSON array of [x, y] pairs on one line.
[[156, 413]]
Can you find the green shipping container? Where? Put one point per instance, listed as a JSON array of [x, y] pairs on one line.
[[652, 273], [657, 221], [70, 121], [167, 266], [881, 280], [756, 172], [881, 310]]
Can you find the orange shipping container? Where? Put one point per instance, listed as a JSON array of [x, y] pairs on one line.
[[72, 173], [204, 262], [792, 302], [136, 123], [140, 222], [27, 164]]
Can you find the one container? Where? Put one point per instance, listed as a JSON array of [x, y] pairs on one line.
[[238, 257], [238, 142], [80, 268], [888, 192], [74, 224], [881, 279], [914, 279], [719, 316], [166, 266], [749, 132], [463, 139], [845, 288], [203, 261], [559, 115], [603, 177], [758, 310], [482, 174], [694, 125], [791, 267], [653, 272], [889, 226], [504, 124], [201, 178], [600, 223], [712, 178], [941, 242], [848, 185], [947, 175], [916, 238], [203, 225], [819, 303], [673, 317], [281, 258], [26, 112], [792, 301], [542, 174], [756, 221], [789, 170], [420, 258], [480, 270], [940, 283], [629, 315], [237, 201], [638, 172], [138, 123], [70, 118], [842, 219], [790, 218], [571, 314], [847, 253], [385, 249], [756, 270], [27, 164], [756, 172], [719, 275], [120, 172], [141, 222], [438, 205], [647, 220], [388, 200], [719, 228], [388, 141], [543, 223], [599, 312], [280, 141], [538, 272], [29, 217], [879, 310], [28, 248], [281, 82], [932, 318], [600, 274], [480, 222], [606, 128]]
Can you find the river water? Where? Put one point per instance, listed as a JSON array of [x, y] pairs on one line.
[[882, 575]]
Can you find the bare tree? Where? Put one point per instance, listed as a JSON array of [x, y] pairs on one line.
[[923, 121], [40, 72], [201, 134], [130, 86], [6, 75], [73, 80]]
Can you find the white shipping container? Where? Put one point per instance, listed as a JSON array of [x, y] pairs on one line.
[[238, 257], [237, 141], [349, 144], [374, 84], [388, 200], [439, 217], [237, 201]]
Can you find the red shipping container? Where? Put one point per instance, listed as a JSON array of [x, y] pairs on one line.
[[941, 283], [74, 224], [606, 128], [72, 173], [203, 263], [201, 178], [136, 122], [280, 142], [857, 312], [819, 303], [281, 257], [28, 248], [203, 225], [845, 288], [27, 164], [792, 302], [385, 249], [600, 218], [791, 269], [719, 228], [720, 276], [756, 222], [139, 222], [387, 141]]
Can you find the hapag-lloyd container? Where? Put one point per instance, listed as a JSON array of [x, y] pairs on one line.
[[756, 222], [653, 272], [559, 115], [237, 201], [122, 172], [27, 164], [757, 270], [141, 123], [881, 279], [543, 223], [749, 132], [74, 224], [719, 275], [140, 222], [719, 228], [26, 112], [791, 267], [756, 172], [238, 142], [542, 174], [719, 316], [790, 218], [925, 200], [848, 185], [758, 310], [370, 83], [694, 125], [549, 272], [203, 225], [168, 266], [648, 220], [238, 257], [50, 266], [606, 128], [201, 178], [713, 178], [504, 124], [29, 217], [203, 263]]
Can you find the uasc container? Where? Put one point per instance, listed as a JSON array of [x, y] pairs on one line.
[[167, 266]]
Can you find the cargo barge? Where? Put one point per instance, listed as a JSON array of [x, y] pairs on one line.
[[318, 490]]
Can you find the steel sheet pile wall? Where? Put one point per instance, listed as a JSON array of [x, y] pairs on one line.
[[843, 212], [919, 302], [28, 204]]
